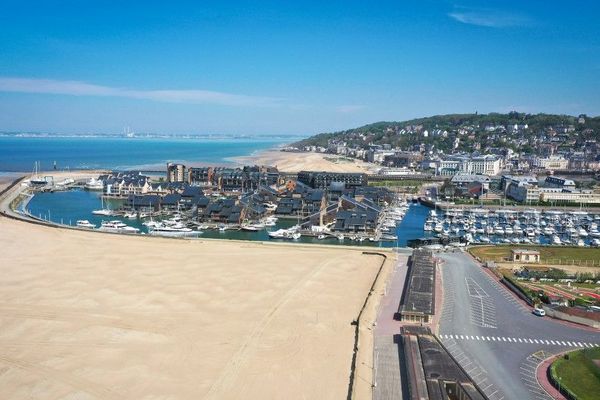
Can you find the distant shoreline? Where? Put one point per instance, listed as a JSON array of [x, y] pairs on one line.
[[151, 136], [134, 153]]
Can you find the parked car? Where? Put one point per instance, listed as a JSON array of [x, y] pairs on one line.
[[539, 312]]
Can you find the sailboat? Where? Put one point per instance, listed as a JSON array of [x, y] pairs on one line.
[[102, 211], [36, 179]]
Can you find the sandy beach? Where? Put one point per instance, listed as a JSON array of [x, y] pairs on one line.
[[297, 161], [97, 316]]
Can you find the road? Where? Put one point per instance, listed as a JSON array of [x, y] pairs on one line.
[[495, 337]]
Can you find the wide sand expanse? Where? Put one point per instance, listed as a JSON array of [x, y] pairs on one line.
[[297, 161], [96, 316]]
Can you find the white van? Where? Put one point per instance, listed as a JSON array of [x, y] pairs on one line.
[[539, 312]]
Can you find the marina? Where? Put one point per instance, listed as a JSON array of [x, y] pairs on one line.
[[88, 210], [82, 205], [510, 226]]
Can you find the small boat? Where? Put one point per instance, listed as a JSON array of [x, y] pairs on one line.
[[389, 238], [278, 234], [130, 215], [249, 228], [117, 226], [321, 237], [103, 211], [556, 240], [173, 231], [84, 223]]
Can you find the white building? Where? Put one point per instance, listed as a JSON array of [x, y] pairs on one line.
[[486, 165], [551, 163], [576, 197]]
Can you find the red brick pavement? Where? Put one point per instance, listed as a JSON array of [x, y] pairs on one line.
[[542, 378]]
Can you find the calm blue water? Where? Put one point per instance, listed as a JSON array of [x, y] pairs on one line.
[[20, 153], [69, 206]]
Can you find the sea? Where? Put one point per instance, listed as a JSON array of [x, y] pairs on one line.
[[20, 154]]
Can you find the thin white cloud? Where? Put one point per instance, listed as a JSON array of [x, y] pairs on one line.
[[77, 88], [349, 108], [489, 18]]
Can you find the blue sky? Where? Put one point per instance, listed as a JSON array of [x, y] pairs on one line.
[[289, 67]]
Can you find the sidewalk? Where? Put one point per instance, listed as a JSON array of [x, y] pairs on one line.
[[387, 362], [542, 378], [386, 324]]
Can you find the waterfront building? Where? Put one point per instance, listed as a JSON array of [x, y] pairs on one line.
[[355, 221], [225, 179], [227, 211], [175, 172], [200, 175], [466, 181], [551, 195], [143, 203], [123, 184], [523, 192], [322, 180]]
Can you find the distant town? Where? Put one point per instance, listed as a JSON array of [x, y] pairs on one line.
[[531, 159]]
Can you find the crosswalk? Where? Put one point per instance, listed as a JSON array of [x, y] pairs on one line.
[[513, 340]]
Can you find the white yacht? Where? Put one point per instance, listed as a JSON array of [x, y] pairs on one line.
[[117, 226], [285, 234], [84, 223], [270, 206], [556, 240], [94, 184], [152, 224], [249, 228], [548, 231], [173, 231], [278, 234], [103, 211]]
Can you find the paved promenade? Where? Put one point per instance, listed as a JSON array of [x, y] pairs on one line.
[[387, 350]]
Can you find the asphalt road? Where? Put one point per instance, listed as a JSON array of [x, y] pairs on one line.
[[494, 337]]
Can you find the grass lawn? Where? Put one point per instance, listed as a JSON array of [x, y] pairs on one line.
[[579, 374], [547, 253]]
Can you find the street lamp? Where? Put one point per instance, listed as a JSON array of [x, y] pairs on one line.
[[559, 379]]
